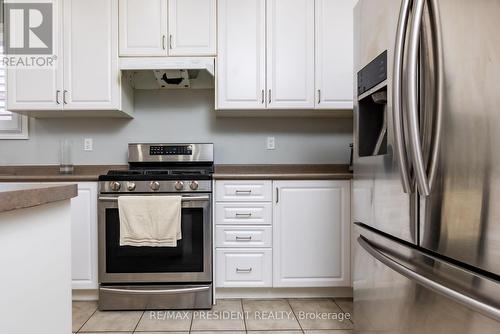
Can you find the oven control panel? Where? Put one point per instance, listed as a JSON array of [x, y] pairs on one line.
[[170, 150]]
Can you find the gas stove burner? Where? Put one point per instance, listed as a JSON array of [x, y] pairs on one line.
[[163, 168]]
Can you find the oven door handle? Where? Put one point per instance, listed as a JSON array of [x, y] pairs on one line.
[[151, 292], [184, 198]]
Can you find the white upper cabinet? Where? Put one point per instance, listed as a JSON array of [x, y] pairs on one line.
[[143, 27], [86, 80], [290, 54], [334, 54], [285, 54], [91, 73], [311, 234], [241, 54], [150, 28], [191, 26], [39, 89]]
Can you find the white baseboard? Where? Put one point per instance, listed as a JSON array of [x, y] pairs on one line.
[[85, 295], [265, 293]]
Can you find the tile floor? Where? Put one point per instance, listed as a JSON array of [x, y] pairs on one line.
[[229, 316]]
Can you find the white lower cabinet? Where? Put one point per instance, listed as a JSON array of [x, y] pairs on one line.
[[244, 267], [243, 234], [298, 237], [84, 237], [311, 237]]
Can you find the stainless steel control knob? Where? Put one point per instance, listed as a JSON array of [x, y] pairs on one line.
[[155, 185], [115, 186], [131, 186], [194, 185], [179, 185]]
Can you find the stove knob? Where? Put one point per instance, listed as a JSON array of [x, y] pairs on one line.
[[179, 185], [155, 185], [193, 185], [115, 186], [131, 186]]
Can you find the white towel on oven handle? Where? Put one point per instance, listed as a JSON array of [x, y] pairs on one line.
[[153, 221]]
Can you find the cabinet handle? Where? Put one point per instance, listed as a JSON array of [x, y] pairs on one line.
[[319, 96], [269, 96], [243, 238], [243, 192], [57, 96], [262, 97], [170, 42], [64, 96], [277, 195], [248, 270], [243, 214], [163, 41]]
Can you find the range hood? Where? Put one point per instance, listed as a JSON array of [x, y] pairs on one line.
[[170, 72]]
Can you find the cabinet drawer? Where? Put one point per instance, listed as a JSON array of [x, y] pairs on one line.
[[243, 191], [243, 236], [243, 268], [243, 213]]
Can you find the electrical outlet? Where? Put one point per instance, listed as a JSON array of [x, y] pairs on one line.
[[271, 143], [88, 144]]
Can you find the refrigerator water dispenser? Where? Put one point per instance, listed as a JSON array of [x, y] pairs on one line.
[[372, 108]]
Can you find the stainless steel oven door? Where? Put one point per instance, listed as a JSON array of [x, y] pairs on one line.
[[190, 261]]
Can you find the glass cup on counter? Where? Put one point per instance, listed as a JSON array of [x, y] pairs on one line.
[[66, 157]]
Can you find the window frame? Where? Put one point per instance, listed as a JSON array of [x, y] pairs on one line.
[[7, 131], [19, 132]]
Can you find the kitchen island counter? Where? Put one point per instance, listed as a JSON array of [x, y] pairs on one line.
[[35, 243], [21, 196]]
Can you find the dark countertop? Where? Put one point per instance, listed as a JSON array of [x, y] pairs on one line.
[[51, 173], [282, 172], [20, 196], [90, 173]]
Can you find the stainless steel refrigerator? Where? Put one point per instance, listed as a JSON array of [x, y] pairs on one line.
[[426, 189]]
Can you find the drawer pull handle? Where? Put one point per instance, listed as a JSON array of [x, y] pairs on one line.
[[238, 270], [243, 238], [244, 215], [243, 192]]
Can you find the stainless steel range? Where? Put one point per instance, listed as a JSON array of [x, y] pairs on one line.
[[158, 277]]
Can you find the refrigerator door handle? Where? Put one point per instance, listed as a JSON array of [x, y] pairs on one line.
[[397, 96], [412, 101], [474, 304], [436, 29]]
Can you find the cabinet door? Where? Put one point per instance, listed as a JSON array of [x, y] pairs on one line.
[[311, 234], [143, 27], [334, 54], [290, 54], [241, 54], [91, 73], [38, 88], [84, 236], [191, 26]]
